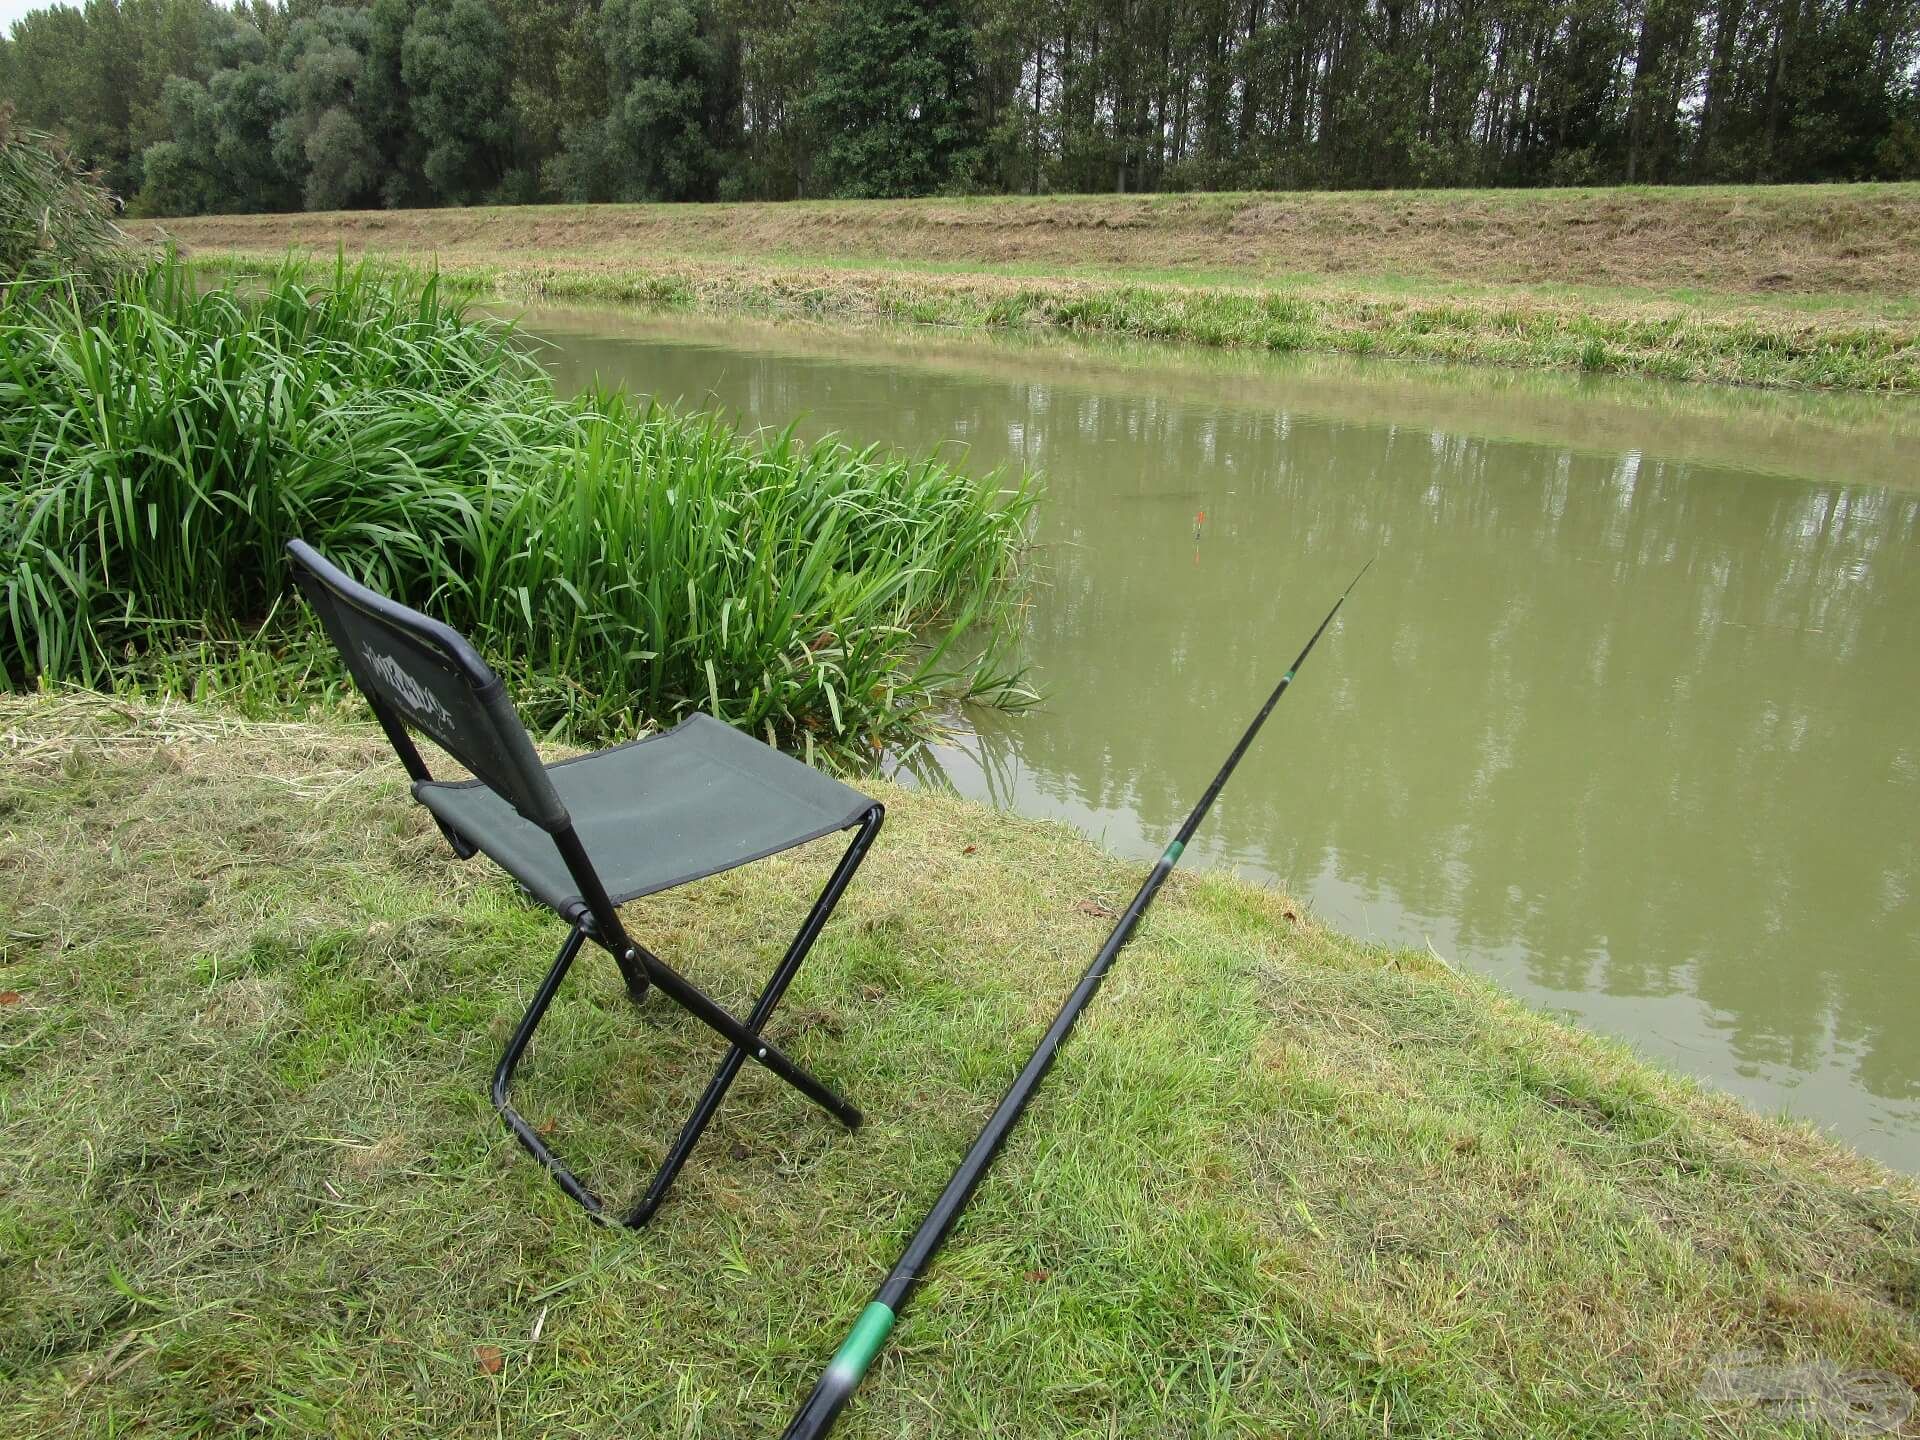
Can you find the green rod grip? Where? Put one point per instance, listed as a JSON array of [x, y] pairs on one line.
[[863, 1342]]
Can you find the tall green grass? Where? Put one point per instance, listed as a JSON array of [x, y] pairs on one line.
[[623, 563]]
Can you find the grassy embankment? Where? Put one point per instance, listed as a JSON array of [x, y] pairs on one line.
[[623, 565], [1802, 286], [1281, 1183]]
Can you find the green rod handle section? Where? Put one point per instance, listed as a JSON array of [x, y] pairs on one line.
[[843, 1374]]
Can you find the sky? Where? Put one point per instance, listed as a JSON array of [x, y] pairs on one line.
[[12, 10]]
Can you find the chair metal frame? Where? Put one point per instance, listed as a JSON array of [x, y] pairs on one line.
[[639, 967]]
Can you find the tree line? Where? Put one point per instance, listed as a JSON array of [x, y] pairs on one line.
[[188, 105]]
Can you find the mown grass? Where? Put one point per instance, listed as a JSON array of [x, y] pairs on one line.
[[1795, 345], [1281, 1182], [626, 564], [1765, 243]]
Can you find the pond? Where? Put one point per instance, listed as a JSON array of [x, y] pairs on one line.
[[1626, 716]]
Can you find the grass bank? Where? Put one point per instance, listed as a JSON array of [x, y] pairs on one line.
[[1281, 1182], [624, 564], [1799, 286]]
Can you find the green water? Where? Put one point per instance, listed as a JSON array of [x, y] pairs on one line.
[[1627, 714]]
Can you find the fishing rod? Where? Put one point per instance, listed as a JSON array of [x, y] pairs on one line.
[[856, 1354]]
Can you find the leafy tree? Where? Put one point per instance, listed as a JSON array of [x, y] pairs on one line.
[[219, 155], [892, 98], [320, 140], [559, 71], [384, 105], [54, 87], [177, 175], [343, 167], [1839, 91], [670, 84], [409, 102], [1898, 156], [97, 74], [778, 43], [453, 65]]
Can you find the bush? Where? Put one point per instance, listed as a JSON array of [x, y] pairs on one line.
[[624, 564]]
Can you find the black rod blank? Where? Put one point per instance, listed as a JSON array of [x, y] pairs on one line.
[[857, 1352]]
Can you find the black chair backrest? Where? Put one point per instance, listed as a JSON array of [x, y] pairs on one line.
[[415, 670]]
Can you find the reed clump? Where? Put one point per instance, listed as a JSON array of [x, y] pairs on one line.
[[622, 563], [57, 234]]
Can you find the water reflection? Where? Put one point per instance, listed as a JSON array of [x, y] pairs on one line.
[[1629, 728]]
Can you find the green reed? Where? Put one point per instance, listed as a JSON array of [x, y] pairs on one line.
[[623, 563]]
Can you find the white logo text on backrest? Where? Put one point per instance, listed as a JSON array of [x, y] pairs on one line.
[[414, 696]]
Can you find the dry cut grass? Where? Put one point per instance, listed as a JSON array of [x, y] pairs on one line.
[[1755, 240], [1458, 306], [1280, 1183]]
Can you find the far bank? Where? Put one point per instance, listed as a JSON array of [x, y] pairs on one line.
[[1791, 286]]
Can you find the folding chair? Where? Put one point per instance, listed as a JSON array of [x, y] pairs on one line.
[[586, 835]]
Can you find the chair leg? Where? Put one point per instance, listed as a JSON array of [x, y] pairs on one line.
[[708, 1012], [503, 1076], [763, 1008], [746, 1041]]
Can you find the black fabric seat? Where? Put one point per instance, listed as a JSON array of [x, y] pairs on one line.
[[585, 836], [654, 813]]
